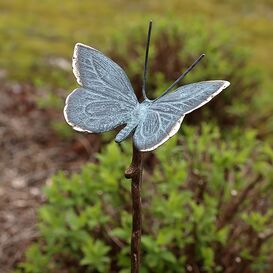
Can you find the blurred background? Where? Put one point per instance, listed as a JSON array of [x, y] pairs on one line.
[[207, 193]]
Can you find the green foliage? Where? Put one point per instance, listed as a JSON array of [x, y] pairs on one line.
[[40, 263], [95, 255], [206, 205]]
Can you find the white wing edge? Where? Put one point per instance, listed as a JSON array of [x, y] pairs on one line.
[[76, 74], [75, 57], [224, 86], [74, 126], [172, 132]]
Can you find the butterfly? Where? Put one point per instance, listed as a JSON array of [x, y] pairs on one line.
[[106, 100]]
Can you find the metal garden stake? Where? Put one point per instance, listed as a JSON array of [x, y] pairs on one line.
[[106, 100]]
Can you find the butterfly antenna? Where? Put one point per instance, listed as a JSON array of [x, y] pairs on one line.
[[146, 61], [182, 76]]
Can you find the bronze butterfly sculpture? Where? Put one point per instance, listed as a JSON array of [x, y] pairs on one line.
[[107, 100]]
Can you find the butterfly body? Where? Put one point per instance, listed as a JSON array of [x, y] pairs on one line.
[[137, 115], [127, 130], [107, 100]]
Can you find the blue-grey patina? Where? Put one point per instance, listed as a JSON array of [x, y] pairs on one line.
[[107, 100]]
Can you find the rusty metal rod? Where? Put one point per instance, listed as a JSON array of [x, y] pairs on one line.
[[134, 172]]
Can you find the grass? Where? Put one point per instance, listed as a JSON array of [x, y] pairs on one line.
[[34, 32]]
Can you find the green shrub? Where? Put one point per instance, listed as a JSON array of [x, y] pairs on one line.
[[207, 207], [175, 45]]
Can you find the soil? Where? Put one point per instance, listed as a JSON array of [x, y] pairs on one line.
[[31, 152]]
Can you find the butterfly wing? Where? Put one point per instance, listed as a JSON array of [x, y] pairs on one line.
[[106, 98], [165, 115], [156, 128]]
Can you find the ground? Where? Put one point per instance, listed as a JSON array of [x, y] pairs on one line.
[[30, 154]]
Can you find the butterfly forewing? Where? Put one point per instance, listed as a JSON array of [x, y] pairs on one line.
[[189, 97], [106, 98]]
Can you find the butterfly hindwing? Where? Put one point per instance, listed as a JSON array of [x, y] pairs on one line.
[[106, 97], [156, 128], [165, 115]]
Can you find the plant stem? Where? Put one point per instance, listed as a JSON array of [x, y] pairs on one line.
[[134, 172]]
